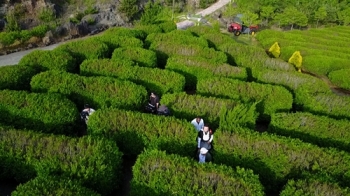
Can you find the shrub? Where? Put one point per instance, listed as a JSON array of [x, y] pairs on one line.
[[158, 80], [99, 92], [276, 159], [243, 115], [8, 38], [217, 39], [39, 31], [85, 49], [323, 65], [149, 29], [52, 186], [125, 32], [190, 106], [134, 131], [275, 50], [142, 57], [194, 68], [47, 113], [129, 8], [311, 187], [340, 78], [114, 41], [253, 57], [44, 60], [273, 98], [167, 26], [157, 173], [202, 30], [296, 59], [25, 35], [319, 130], [95, 162], [16, 77]]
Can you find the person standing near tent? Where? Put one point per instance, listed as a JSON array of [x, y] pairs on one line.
[[198, 123]]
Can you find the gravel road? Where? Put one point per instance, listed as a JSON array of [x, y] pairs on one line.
[[14, 58]]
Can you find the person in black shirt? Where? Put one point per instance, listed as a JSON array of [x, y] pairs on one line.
[[153, 103]]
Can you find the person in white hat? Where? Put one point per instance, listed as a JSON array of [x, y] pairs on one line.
[[202, 154]]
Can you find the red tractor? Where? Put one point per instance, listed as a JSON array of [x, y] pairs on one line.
[[237, 27]]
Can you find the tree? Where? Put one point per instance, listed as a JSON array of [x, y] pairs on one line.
[[320, 14], [291, 16], [250, 18], [296, 59], [151, 12], [129, 8], [344, 16], [266, 13]]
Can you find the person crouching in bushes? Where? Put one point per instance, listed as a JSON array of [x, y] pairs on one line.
[[153, 103], [198, 123], [204, 156], [87, 111], [163, 110], [205, 138]]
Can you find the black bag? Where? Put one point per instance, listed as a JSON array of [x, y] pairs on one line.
[[84, 115], [150, 108]]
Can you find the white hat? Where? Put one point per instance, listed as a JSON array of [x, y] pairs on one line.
[[203, 151]]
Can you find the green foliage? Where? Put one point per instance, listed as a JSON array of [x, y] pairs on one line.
[[25, 35], [252, 57], [277, 159], [320, 130], [94, 162], [195, 68], [150, 13], [47, 113], [310, 187], [115, 41], [141, 57], [340, 78], [126, 32], [43, 60], [149, 29], [158, 80], [249, 18], [162, 174], [12, 23], [324, 65], [272, 98], [168, 26], [46, 15], [129, 8], [48, 185], [99, 92], [16, 77], [217, 39], [134, 131], [292, 16], [39, 31], [275, 50], [85, 49], [202, 30], [8, 38], [243, 115], [206, 3], [297, 60], [188, 107], [320, 14]]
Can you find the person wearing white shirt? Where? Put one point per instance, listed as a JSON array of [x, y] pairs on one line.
[[86, 113], [198, 123], [205, 138]]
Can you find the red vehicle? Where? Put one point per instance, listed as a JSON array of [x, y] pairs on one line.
[[237, 27]]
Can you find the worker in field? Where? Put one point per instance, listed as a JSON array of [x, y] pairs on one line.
[[198, 123], [87, 111], [205, 138], [153, 103], [204, 156]]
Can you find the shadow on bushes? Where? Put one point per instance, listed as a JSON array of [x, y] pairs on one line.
[[15, 169], [138, 189]]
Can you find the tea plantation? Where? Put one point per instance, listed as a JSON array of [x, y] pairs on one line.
[[236, 88]]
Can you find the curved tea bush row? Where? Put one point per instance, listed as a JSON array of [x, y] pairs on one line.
[[272, 98], [85, 49], [142, 57], [188, 107], [158, 80], [149, 29], [277, 159], [16, 77], [323, 104], [215, 40], [99, 92], [96, 163], [291, 80], [323, 65], [156, 173], [114, 41], [44, 60], [201, 30], [341, 78], [313, 187], [47, 113], [253, 57], [194, 68], [183, 37], [319, 130], [125, 32], [167, 49], [133, 131], [45, 185]]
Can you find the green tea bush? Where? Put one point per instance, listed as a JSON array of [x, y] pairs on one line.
[[40, 30], [202, 30], [142, 57], [340, 78], [114, 41], [44, 60], [165, 50], [16, 77], [85, 49], [156, 173], [158, 80], [276, 159], [8, 38], [216, 40], [320, 130], [291, 80], [188, 107], [99, 92], [328, 104], [168, 26], [47, 113], [95, 162], [149, 29], [272, 98], [125, 32], [311, 187], [253, 57], [48, 185], [134, 131], [194, 68], [323, 65]]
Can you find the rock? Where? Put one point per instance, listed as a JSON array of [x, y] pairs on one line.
[[83, 28], [47, 40], [2, 24], [60, 31]]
